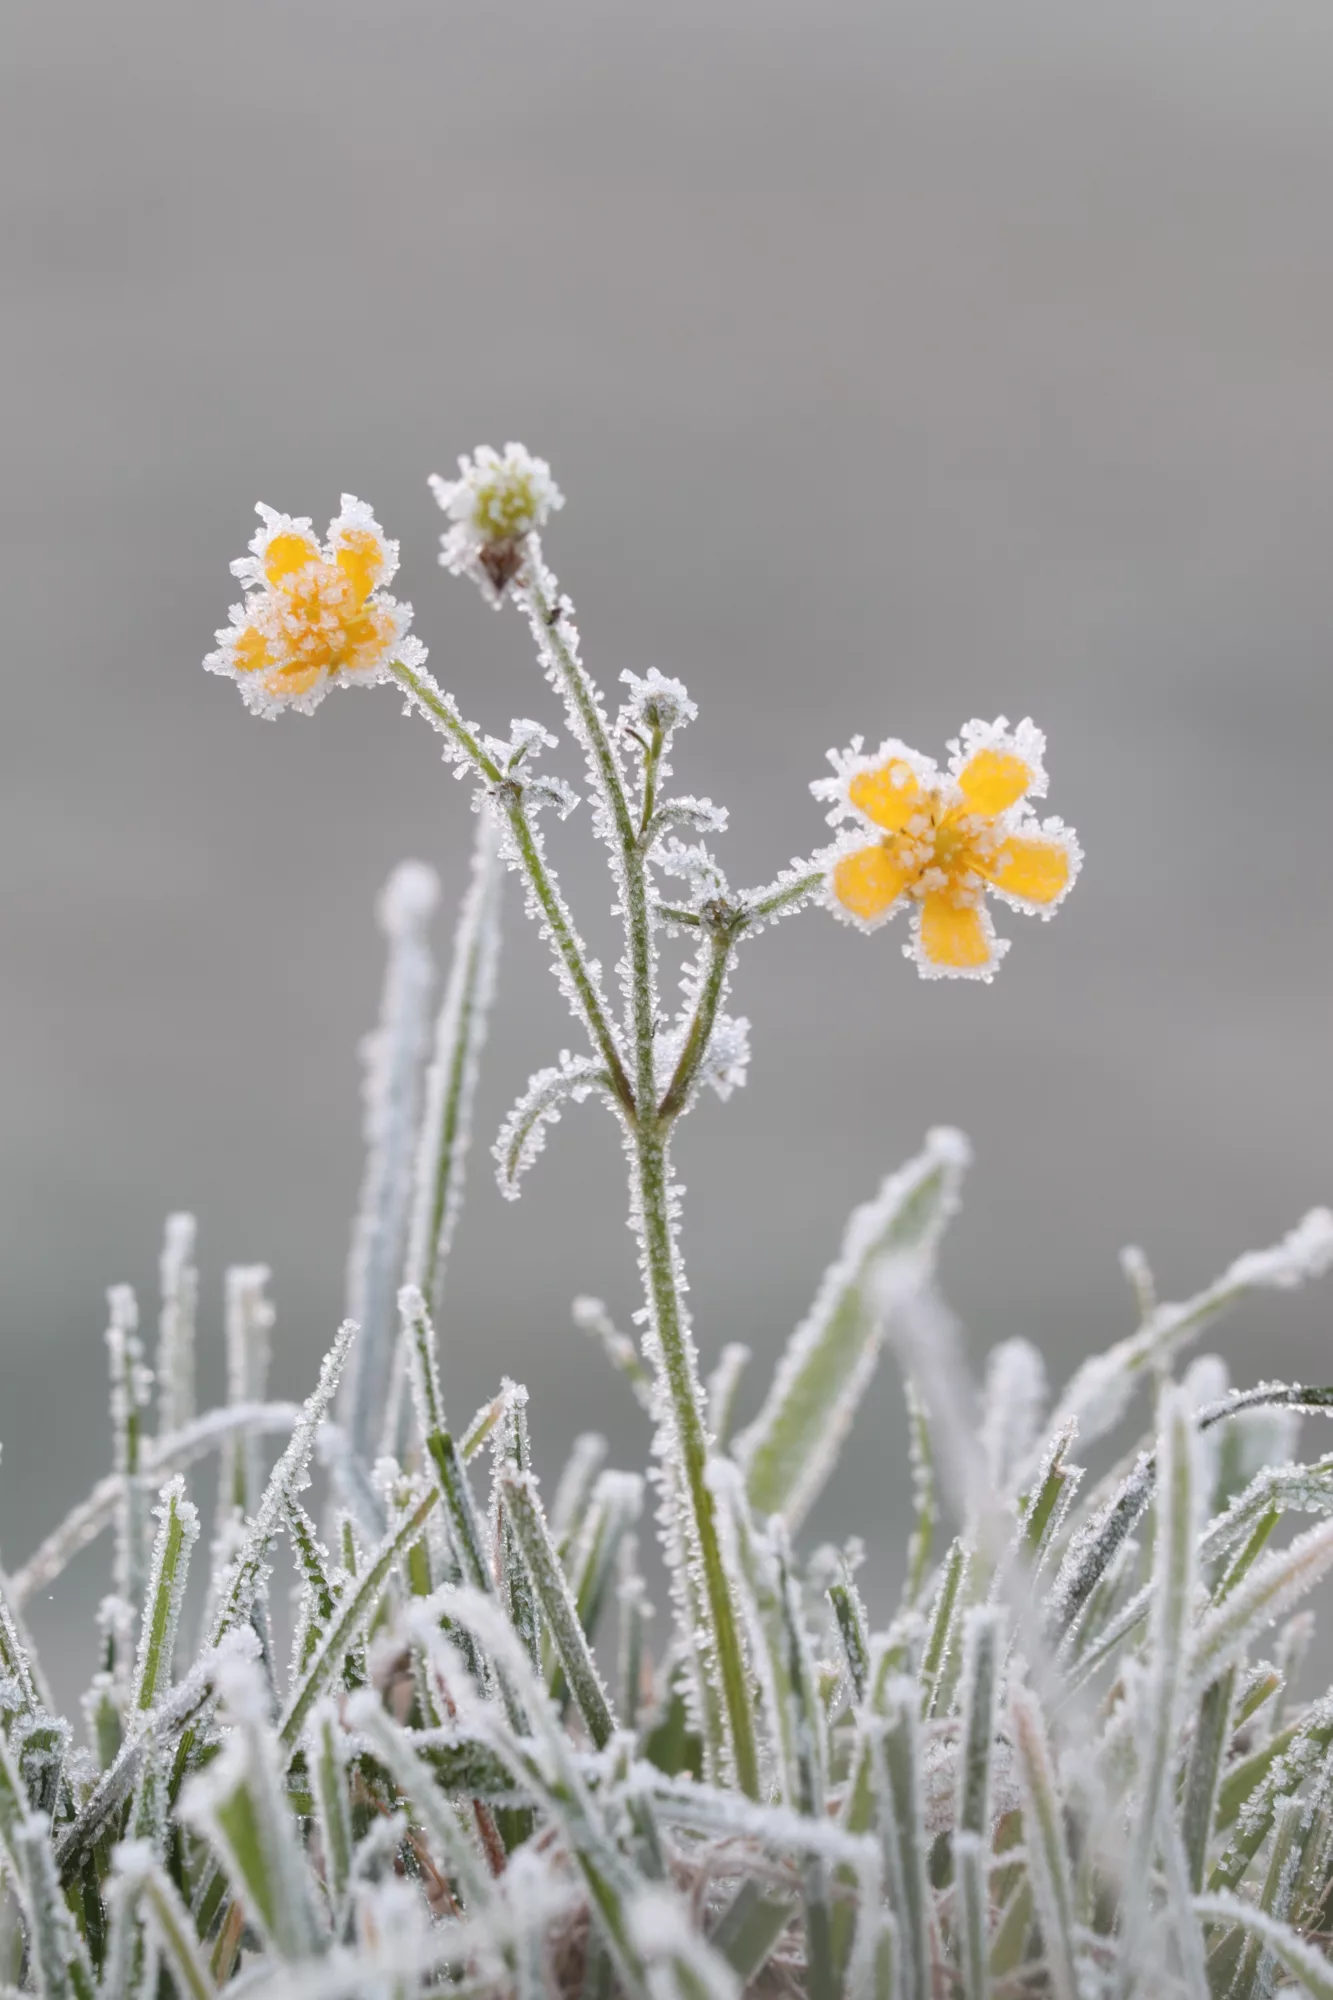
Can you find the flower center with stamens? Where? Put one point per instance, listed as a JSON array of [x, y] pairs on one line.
[[939, 848]]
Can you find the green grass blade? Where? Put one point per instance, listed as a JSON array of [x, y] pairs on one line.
[[788, 1451]]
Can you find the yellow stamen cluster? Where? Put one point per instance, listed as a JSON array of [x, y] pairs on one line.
[[315, 612], [941, 839]]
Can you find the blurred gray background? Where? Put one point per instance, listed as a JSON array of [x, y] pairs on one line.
[[900, 362]]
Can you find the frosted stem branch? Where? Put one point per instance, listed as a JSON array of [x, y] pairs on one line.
[[428, 699], [721, 945]]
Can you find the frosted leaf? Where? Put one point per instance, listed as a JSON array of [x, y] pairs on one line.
[[16, 1658], [522, 1137], [547, 790], [290, 1475], [141, 1881], [1100, 1391], [131, 1387], [614, 1510], [722, 1387], [178, 1531], [690, 814], [709, 1809], [1206, 1381], [392, 1056], [574, 1487], [1049, 1866], [1094, 1547], [694, 865], [1138, 1273], [176, 1324], [979, 1696], [249, 1334], [759, 1584], [1306, 1963], [789, 1449], [1160, 1698], [591, 1317], [1012, 1404], [497, 501], [680, 1964], [553, 1588], [451, 1081], [1274, 1584]]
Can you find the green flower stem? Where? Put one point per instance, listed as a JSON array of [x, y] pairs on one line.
[[440, 713], [580, 694], [428, 698], [652, 758], [653, 1175], [761, 904]]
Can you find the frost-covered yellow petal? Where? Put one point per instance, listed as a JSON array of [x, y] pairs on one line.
[[889, 796], [1030, 866], [294, 677], [250, 650], [361, 560], [868, 882], [287, 553], [993, 780], [954, 938]]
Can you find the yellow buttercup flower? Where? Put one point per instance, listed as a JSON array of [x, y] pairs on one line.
[[316, 613], [940, 839]]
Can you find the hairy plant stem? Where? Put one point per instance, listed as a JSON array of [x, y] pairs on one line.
[[653, 1180], [652, 1189]]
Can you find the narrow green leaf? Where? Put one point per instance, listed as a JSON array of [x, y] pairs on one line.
[[354, 1613], [790, 1448], [289, 1476], [972, 1913], [940, 1631], [1212, 1732], [750, 1927], [551, 1588], [1304, 1963], [176, 1536], [326, 1761], [1048, 1871]]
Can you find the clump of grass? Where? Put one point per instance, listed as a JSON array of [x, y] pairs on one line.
[[1071, 1761]]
